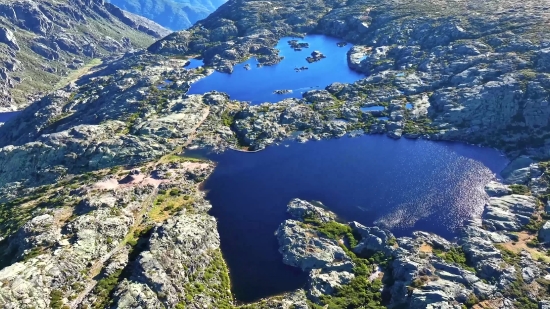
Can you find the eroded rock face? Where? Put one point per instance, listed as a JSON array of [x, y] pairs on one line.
[[509, 213], [7, 37], [178, 251]]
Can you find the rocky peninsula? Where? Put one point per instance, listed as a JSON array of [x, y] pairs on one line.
[[100, 208]]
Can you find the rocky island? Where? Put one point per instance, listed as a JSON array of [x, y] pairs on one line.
[[101, 208]]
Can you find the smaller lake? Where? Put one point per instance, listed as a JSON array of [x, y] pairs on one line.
[[258, 84], [194, 63], [373, 109], [404, 185]]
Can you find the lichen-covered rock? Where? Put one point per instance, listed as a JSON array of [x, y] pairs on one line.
[[179, 253], [306, 248], [326, 282]]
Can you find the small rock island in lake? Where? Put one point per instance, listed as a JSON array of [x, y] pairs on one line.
[[315, 56], [298, 46], [284, 91]]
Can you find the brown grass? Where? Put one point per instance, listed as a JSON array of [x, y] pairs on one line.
[[425, 248], [521, 244]]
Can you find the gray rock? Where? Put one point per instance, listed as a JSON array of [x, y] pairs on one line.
[[326, 282], [509, 213], [372, 239], [300, 209], [306, 248], [497, 189], [518, 170], [433, 240], [44, 51], [7, 37]]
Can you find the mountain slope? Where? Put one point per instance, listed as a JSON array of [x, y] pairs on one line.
[[42, 41], [172, 14]]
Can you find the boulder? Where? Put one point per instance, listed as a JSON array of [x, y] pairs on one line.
[[300, 209], [542, 59], [544, 304], [497, 189], [372, 239]]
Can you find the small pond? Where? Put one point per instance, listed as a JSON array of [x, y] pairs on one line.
[[404, 185], [194, 63], [372, 109], [294, 73]]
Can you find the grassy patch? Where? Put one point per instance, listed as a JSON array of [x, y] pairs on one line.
[[333, 230], [76, 74], [520, 189], [227, 118], [168, 203], [455, 255], [174, 158]]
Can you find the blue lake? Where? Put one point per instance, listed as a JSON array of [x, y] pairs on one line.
[[372, 109], [7, 116], [194, 63], [258, 84], [404, 185]]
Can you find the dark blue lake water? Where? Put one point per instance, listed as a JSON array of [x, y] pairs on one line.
[[7, 116], [404, 185], [258, 84]]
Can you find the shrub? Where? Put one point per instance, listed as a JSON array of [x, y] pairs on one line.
[[56, 299], [519, 189]]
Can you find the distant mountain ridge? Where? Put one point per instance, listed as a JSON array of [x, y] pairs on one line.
[[43, 41], [172, 14]]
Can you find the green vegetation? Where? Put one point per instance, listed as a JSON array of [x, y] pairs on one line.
[[455, 255], [56, 300], [212, 281], [227, 118], [104, 288], [520, 189], [74, 75], [519, 290], [333, 230], [419, 126], [360, 292], [508, 256], [174, 158], [534, 225]]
